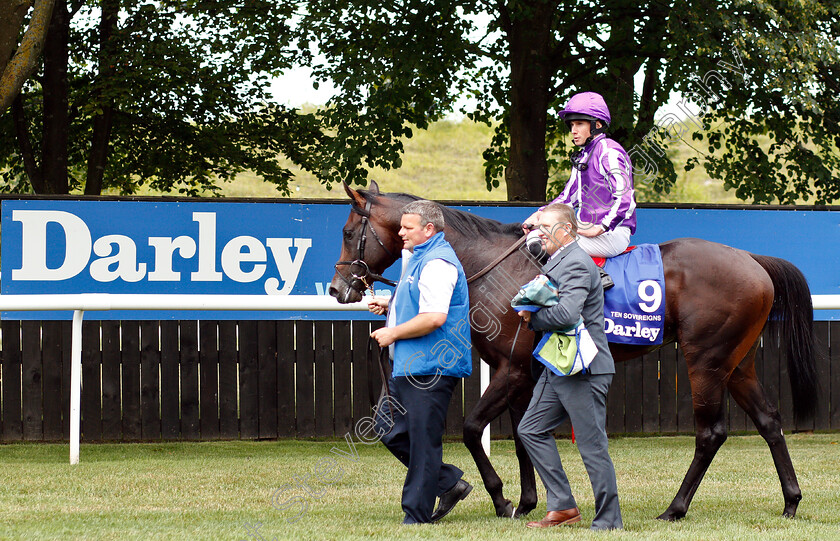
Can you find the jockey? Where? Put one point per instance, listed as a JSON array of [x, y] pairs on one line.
[[600, 187]]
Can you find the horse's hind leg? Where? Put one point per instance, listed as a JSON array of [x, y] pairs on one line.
[[707, 395], [747, 391]]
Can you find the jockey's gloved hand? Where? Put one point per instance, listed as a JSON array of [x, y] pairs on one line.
[[535, 244]]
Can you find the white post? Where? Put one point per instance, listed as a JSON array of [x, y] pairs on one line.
[[485, 381], [99, 301], [75, 385]]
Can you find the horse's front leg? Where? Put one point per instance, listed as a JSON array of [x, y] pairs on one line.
[[527, 478], [491, 404]]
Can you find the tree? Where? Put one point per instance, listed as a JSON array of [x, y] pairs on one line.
[[171, 93], [18, 62], [755, 71]]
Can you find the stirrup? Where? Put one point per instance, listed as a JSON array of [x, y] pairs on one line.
[[606, 279]]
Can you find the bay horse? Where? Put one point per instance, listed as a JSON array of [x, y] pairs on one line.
[[718, 301]]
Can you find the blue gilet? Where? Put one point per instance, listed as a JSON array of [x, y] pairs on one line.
[[446, 350]]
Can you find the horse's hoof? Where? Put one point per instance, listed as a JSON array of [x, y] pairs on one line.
[[523, 509], [670, 516], [506, 511]]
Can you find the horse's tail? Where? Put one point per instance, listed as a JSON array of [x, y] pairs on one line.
[[792, 316]]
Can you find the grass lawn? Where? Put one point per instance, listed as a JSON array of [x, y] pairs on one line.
[[216, 490], [445, 163]]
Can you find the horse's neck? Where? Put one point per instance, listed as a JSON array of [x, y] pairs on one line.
[[475, 253]]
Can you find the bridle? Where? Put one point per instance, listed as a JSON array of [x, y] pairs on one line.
[[358, 268]]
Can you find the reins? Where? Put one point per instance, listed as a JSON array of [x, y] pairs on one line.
[[382, 358], [496, 261], [360, 271], [481, 273]]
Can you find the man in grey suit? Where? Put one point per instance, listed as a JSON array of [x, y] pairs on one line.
[[581, 397]]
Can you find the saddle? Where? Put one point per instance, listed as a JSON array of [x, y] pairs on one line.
[[601, 261], [606, 280]]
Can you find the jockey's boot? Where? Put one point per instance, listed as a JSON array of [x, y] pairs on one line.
[[606, 280]]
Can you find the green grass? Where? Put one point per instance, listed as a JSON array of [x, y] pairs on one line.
[[211, 490], [445, 163]]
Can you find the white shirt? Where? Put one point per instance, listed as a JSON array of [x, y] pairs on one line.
[[560, 249], [437, 282]]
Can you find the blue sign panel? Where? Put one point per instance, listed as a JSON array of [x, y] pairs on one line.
[[53, 247]]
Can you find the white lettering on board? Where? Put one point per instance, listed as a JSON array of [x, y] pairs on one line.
[[206, 248], [287, 267], [165, 248], [243, 259], [241, 250], [34, 245], [124, 257]]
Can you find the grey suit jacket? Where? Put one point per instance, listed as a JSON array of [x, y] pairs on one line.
[[581, 294]]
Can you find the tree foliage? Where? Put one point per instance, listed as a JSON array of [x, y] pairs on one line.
[[748, 72], [172, 94]]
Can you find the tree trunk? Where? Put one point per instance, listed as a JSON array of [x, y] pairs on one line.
[[56, 92], [102, 123], [12, 14], [529, 37], [30, 163], [15, 70]]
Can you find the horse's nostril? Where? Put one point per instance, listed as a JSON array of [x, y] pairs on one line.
[[333, 291]]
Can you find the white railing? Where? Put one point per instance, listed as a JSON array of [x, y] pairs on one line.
[[826, 302], [80, 303]]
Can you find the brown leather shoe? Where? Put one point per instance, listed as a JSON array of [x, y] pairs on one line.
[[557, 518]]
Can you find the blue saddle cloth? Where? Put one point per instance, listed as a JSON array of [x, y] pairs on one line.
[[634, 310]]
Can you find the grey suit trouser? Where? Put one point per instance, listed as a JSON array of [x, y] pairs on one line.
[[582, 399]]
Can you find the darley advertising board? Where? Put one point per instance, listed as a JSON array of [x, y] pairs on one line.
[[245, 248]]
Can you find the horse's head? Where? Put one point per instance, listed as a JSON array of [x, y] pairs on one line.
[[370, 243]]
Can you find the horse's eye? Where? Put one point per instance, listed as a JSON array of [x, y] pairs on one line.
[[348, 234]]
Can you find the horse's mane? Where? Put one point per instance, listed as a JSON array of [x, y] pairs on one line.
[[464, 223]]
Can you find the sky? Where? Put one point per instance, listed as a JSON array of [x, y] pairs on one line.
[[294, 89]]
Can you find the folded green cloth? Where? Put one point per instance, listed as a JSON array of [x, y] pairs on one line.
[[567, 351]]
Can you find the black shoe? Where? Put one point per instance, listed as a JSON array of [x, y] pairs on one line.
[[606, 280], [449, 498]]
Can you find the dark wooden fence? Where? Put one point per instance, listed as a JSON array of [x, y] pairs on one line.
[[188, 380]]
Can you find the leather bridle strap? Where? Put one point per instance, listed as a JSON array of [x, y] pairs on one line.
[[360, 260], [496, 261], [365, 214]]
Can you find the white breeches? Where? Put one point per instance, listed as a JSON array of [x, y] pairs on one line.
[[609, 244]]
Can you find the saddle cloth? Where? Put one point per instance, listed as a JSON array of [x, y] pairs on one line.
[[634, 309]]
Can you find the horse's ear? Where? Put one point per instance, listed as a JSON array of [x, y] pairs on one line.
[[354, 195], [374, 187]]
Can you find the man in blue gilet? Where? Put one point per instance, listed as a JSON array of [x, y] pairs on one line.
[[429, 335]]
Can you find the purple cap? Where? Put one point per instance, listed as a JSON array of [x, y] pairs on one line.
[[587, 103]]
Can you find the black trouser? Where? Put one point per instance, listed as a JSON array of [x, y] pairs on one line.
[[416, 440]]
